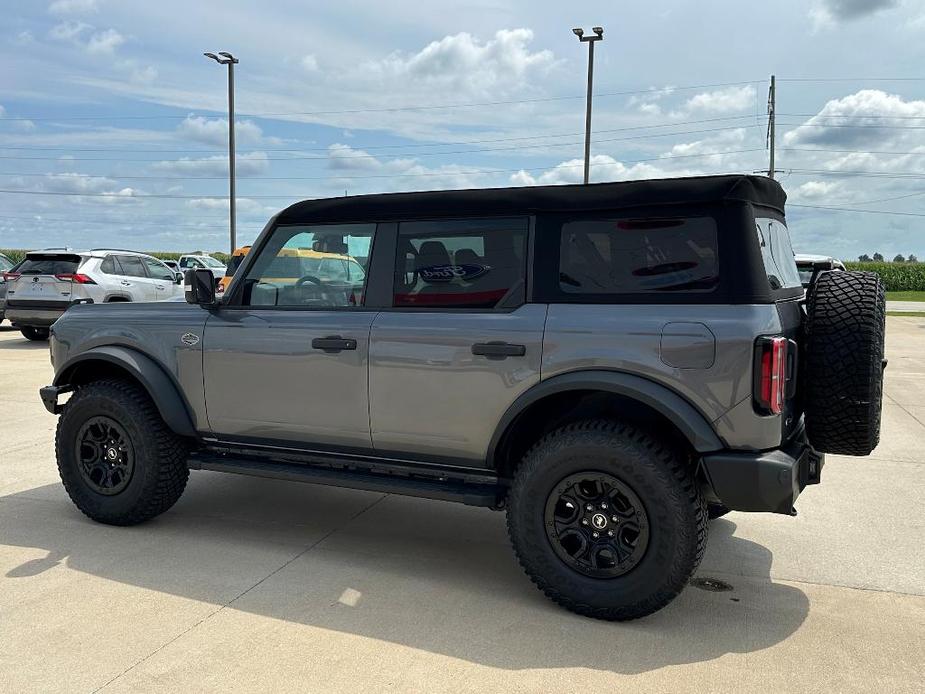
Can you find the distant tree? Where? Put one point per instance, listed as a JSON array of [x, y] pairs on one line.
[[864, 258], [912, 258], [878, 258], [899, 258]]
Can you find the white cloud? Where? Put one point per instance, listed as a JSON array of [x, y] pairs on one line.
[[729, 100], [242, 204], [249, 164], [65, 7], [350, 166], [105, 42], [463, 63], [815, 191], [309, 63], [214, 131], [857, 118], [24, 38], [68, 31]]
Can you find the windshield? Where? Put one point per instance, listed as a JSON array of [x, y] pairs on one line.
[[777, 253], [211, 262]]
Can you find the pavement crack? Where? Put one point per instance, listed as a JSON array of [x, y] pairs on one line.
[[240, 595]]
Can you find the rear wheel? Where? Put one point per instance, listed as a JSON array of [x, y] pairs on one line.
[[119, 462], [36, 334], [606, 521], [843, 364]]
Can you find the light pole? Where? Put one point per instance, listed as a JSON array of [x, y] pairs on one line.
[[590, 40], [224, 58]]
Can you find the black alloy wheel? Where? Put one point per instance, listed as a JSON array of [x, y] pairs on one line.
[[106, 458], [596, 524]]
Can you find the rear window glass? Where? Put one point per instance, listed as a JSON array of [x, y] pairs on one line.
[[777, 253], [472, 263], [638, 256], [49, 264]]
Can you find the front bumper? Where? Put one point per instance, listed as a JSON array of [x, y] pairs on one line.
[[49, 395], [768, 481]]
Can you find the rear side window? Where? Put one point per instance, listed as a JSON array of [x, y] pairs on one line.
[[638, 256], [132, 266], [471, 263], [110, 266], [777, 253], [49, 264]]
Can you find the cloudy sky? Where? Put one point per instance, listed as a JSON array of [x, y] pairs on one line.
[[112, 129]]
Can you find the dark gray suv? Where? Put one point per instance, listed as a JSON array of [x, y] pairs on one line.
[[611, 364]]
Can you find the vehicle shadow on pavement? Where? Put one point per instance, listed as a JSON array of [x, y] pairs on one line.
[[428, 575]]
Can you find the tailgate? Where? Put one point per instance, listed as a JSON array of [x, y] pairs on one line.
[[44, 277]]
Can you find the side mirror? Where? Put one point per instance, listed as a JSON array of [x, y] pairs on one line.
[[199, 287]]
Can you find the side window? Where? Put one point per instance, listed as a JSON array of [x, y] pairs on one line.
[[111, 266], [132, 266], [638, 256], [470, 263], [777, 253], [305, 267], [157, 270]]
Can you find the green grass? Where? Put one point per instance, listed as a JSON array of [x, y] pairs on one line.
[[907, 314], [905, 296]]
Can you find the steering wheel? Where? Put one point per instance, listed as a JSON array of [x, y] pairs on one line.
[[308, 278]]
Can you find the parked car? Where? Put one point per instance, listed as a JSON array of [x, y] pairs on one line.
[[5, 266], [198, 262], [49, 282], [611, 364], [809, 265], [175, 266]]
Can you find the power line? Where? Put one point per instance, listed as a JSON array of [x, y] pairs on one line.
[[847, 209], [848, 151], [419, 107], [368, 147], [60, 176], [420, 154], [851, 79]]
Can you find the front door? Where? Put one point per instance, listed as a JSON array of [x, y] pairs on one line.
[[458, 345], [285, 361]]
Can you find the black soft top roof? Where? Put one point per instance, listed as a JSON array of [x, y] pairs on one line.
[[521, 200]]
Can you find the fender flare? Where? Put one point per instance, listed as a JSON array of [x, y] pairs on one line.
[[692, 424], [162, 389]]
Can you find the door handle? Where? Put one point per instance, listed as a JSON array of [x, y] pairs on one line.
[[125, 284], [333, 343], [498, 350]]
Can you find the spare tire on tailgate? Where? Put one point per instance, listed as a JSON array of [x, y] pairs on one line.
[[842, 363]]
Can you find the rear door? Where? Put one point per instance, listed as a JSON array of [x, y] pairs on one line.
[[44, 281], [134, 279], [459, 344]]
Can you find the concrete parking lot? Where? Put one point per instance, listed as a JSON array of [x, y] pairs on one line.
[[259, 585]]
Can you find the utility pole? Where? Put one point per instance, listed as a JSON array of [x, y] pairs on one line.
[[229, 60], [771, 126], [590, 40]]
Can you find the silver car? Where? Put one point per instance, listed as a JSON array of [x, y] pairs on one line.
[[5, 266]]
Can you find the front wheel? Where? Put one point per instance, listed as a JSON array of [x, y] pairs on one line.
[[119, 462], [36, 334], [606, 521]]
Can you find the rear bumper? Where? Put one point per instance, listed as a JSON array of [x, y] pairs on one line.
[[768, 481], [33, 317], [42, 315]]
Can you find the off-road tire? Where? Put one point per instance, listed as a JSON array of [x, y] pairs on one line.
[[659, 476], [843, 362], [160, 470], [35, 334]]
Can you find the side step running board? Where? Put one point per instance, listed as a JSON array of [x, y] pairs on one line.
[[488, 495]]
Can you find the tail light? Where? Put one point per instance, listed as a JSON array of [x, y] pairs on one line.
[[77, 277], [10, 276], [771, 374]]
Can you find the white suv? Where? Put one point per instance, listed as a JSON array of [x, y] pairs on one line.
[[206, 262], [49, 281]]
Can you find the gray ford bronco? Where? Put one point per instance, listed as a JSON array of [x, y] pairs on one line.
[[611, 364]]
